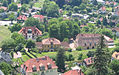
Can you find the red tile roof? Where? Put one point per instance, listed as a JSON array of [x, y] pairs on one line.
[[88, 35], [5, 8], [74, 72], [49, 40], [35, 30], [89, 61], [38, 16], [22, 17], [37, 63]]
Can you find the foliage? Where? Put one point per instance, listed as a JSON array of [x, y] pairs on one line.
[[90, 54], [11, 17], [15, 27], [44, 36], [12, 7], [5, 68], [114, 65], [60, 59], [70, 57], [30, 44], [79, 48], [102, 58], [75, 2], [7, 45], [80, 56], [50, 9]]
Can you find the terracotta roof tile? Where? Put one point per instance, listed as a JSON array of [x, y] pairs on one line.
[[37, 63], [74, 72]]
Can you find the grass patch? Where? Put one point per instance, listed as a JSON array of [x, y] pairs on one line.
[[4, 33]]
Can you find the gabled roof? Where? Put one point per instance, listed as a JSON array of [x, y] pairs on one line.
[[38, 16], [5, 8], [73, 72], [115, 55], [22, 17], [107, 38], [37, 63], [35, 30], [51, 40], [89, 61]]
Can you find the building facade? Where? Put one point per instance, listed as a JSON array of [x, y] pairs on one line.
[[87, 41], [50, 44], [40, 66], [30, 32]]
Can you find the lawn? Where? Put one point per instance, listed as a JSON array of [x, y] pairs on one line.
[[4, 33]]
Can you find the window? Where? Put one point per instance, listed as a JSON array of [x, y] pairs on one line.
[[42, 68], [49, 66], [34, 69]]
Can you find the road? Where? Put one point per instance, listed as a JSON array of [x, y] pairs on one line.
[[6, 22]]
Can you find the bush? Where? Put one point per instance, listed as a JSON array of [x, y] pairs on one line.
[[80, 56], [79, 48], [90, 54]]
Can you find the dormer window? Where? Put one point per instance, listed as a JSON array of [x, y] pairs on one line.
[[49, 66], [42, 67], [34, 69], [29, 31]]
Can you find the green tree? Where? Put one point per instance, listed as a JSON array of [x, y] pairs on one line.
[[79, 48], [80, 56], [71, 58], [30, 44], [90, 54], [50, 9], [5, 68], [95, 2], [60, 3], [54, 31], [7, 45], [19, 47], [11, 17], [105, 21], [114, 65], [75, 2], [12, 7], [15, 27], [5, 3], [102, 58], [60, 60], [24, 8]]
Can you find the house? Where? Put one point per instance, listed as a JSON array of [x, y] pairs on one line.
[[87, 41], [1, 73], [19, 5], [39, 17], [116, 12], [21, 18], [50, 44], [30, 32], [2, 7], [73, 72], [115, 31], [40, 66], [79, 16], [102, 10], [109, 42], [5, 57], [88, 61], [115, 55]]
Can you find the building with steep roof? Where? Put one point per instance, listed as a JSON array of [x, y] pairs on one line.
[[88, 61], [90, 41], [87, 41], [115, 55], [50, 44], [40, 66], [39, 17], [30, 32], [73, 72]]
